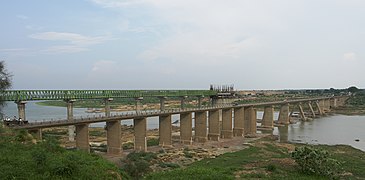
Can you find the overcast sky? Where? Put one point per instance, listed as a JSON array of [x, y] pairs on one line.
[[183, 44]]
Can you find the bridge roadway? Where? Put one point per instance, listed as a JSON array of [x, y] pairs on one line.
[[33, 95], [145, 114]]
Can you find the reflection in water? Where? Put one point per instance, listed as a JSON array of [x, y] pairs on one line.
[[283, 133]]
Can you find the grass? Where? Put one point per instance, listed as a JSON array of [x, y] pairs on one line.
[[265, 160]]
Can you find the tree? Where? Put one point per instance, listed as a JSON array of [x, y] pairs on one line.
[[5, 81], [353, 89]]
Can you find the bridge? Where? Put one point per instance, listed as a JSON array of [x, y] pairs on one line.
[[210, 123]]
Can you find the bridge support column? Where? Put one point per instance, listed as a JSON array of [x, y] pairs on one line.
[[301, 111], [82, 137], [268, 117], [70, 117], [320, 110], [183, 101], [186, 133], [284, 114], [114, 143], [227, 132], [250, 122], [107, 106], [140, 134], [139, 104], [200, 101], [21, 109], [214, 128], [36, 133], [327, 103], [239, 118], [200, 126], [165, 131], [162, 103], [311, 109]]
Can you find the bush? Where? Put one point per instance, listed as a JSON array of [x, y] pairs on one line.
[[137, 164], [315, 161]]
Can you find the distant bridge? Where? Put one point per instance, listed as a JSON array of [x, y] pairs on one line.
[[33, 95]]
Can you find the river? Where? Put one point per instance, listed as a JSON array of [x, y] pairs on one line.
[[335, 129]]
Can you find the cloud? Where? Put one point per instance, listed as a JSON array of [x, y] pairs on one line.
[[104, 66], [73, 42], [23, 17], [117, 3], [350, 56]]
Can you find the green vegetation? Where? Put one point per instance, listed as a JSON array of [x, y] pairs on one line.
[[136, 164], [5, 82], [266, 159], [22, 158]]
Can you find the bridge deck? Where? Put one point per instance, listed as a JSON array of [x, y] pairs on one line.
[[144, 114], [31, 95]]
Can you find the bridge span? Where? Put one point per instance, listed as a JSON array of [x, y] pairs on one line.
[[210, 123]]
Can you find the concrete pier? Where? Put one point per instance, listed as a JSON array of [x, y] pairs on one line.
[[214, 128], [186, 133], [227, 131], [36, 133], [239, 119], [162, 103], [82, 137], [21, 109], [165, 130], [333, 103], [200, 126], [319, 108], [139, 104], [301, 111], [268, 117], [140, 134], [284, 114], [113, 135], [327, 104], [311, 109], [70, 117], [250, 122], [107, 106]]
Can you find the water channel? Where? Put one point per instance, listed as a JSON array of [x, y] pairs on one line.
[[335, 129]]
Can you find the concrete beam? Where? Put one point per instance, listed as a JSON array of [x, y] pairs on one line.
[[113, 135], [186, 133], [284, 114], [319, 108], [311, 109], [239, 119], [268, 117], [227, 131], [107, 106], [140, 134], [165, 130], [200, 126], [70, 117], [82, 137], [250, 122], [301, 111], [214, 128]]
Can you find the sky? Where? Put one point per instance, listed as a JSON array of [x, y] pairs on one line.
[[183, 44]]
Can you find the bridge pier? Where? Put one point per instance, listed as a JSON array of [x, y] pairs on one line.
[[70, 117], [114, 143], [227, 132], [107, 106], [21, 109], [82, 137], [333, 103], [186, 133], [284, 114], [165, 130], [311, 109], [200, 126], [250, 122], [183, 101], [268, 117], [319, 108], [327, 104], [214, 128], [162, 103], [200, 101], [301, 111], [36, 133], [239, 119], [140, 134], [138, 104]]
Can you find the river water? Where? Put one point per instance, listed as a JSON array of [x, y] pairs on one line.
[[336, 129]]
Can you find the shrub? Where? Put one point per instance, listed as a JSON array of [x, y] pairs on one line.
[[315, 161], [137, 164]]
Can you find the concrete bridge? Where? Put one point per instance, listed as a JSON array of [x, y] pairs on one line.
[[236, 120]]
